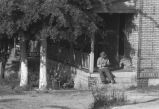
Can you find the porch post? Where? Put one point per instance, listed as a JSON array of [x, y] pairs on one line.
[[91, 65], [118, 37]]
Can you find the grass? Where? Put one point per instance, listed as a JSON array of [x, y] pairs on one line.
[[108, 97]]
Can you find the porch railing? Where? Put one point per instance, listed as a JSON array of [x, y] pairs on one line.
[[72, 57], [33, 54], [81, 59]]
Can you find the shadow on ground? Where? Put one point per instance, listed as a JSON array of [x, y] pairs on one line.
[[54, 106], [8, 100], [142, 102]]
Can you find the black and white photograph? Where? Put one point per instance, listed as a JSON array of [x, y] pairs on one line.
[[79, 54]]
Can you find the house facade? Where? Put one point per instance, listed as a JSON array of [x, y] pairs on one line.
[[133, 27], [144, 39]]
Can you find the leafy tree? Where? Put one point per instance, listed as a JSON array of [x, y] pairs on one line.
[[4, 48], [40, 19]]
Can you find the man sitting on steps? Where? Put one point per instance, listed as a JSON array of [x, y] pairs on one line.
[[103, 65]]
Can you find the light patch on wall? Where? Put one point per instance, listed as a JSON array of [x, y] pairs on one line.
[[130, 3]]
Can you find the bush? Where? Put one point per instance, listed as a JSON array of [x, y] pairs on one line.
[[33, 76], [60, 77], [108, 97]]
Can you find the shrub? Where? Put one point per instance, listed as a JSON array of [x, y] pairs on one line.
[[60, 76], [108, 97]]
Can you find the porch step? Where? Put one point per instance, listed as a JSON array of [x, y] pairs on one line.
[[123, 79], [85, 80]]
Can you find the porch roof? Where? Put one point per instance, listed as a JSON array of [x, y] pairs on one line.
[[118, 7]]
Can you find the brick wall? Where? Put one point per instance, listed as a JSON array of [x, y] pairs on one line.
[[147, 32], [133, 40], [147, 22], [149, 36]]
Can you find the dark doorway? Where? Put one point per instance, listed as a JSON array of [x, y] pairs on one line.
[[115, 40], [122, 34]]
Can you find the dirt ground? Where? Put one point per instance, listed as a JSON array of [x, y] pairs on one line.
[[68, 99]]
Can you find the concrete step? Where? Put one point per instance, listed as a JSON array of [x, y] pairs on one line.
[[123, 79], [117, 74]]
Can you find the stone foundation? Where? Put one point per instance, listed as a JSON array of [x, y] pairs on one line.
[[153, 82], [148, 82], [83, 80], [124, 80], [80, 76]]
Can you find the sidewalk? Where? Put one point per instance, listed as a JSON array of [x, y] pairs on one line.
[[138, 100]]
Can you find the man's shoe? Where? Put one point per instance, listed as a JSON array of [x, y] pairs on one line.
[[104, 82]]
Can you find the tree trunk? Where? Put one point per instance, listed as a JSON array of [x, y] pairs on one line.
[[23, 67], [2, 70], [2, 66], [43, 66], [91, 63]]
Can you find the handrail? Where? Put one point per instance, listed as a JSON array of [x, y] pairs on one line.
[[33, 54]]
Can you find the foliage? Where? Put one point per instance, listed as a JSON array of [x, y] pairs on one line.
[[108, 97], [57, 19], [60, 76]]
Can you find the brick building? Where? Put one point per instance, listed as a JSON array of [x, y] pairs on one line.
[[141, 30], [144, 40]]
